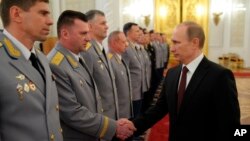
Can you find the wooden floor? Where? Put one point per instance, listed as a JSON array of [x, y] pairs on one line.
[[243, 87]]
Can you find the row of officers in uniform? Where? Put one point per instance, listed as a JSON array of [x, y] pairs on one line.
[[94, 91]]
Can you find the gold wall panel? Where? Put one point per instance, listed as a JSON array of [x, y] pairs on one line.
[[178, 11]]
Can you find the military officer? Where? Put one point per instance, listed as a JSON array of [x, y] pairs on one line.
[[100, 67], [117, 43], [28, 95], [80, 104]]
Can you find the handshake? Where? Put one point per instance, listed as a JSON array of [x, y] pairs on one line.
[[125, 129]]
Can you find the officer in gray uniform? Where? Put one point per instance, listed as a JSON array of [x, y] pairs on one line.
[[29, 108], [117, 43], [100, 67], [132, 59], [80, 104]]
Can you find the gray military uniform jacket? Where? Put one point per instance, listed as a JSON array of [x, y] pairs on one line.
[[132, 59], [28, 105], [123, 85], [102, 72], [80, 103]]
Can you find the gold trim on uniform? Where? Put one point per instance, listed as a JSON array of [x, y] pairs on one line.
[[105, 127], [72, 61], [88, 46], [110, 55], [1, 44], [57, 59], [12, 51]]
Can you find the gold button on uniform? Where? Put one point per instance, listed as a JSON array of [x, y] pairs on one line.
[[57, 107], [61, 130], [102, 110], [52, 137]]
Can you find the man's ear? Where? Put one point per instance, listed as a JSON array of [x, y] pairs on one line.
[[16, 14], [64, 33], [196, 42]]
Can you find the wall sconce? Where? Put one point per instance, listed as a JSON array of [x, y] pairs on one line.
[[217, 17], [146, 20]]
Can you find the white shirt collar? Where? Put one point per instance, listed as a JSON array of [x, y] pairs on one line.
[[119, 56], [76, 56], [100, 46], [192, 66], [25, 51]]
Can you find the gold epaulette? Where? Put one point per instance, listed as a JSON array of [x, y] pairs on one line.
[[57, 59], [88, 46], [110, 55], [11, 49], [72, 62]]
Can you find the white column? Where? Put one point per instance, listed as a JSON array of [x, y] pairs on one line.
[[55, 7]]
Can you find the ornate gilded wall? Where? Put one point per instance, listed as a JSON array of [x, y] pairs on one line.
[[177, 11]]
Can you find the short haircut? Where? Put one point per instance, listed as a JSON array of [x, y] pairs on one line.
[[194, 31], [92, 13], [128, 26], [23, 4], [67, 18], [114, 36]]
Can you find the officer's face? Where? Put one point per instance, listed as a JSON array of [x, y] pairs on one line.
[[99, 27], [121, 44], [36, 21], [78, 36]]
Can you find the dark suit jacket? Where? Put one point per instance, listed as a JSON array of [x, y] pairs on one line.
[[210, 106]]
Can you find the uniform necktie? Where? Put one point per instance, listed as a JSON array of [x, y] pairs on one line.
[[81, 62], [35, 64], [182, 86]]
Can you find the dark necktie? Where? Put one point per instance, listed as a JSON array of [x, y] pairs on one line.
[[182, 86], [104, 54], [35, 64], [86, 72], [81, 62]]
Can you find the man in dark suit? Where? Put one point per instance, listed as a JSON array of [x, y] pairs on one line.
[[80, 104], [28, 95], [209, 108]]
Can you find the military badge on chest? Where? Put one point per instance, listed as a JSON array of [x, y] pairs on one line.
[[101, 64], [24, 87]]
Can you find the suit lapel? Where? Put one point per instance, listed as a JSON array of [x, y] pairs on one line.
[[198, 75], [174, 89], [100, 54], [76, 66], [20, 63]]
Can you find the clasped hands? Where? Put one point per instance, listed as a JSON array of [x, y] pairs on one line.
[[125, 128]]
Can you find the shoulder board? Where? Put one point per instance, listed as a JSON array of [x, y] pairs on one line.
[[88, 46], [57, 59], [11, 49], [72, 62], [110, 55]]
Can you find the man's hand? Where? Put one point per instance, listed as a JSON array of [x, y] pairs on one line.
[[125, 128]]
